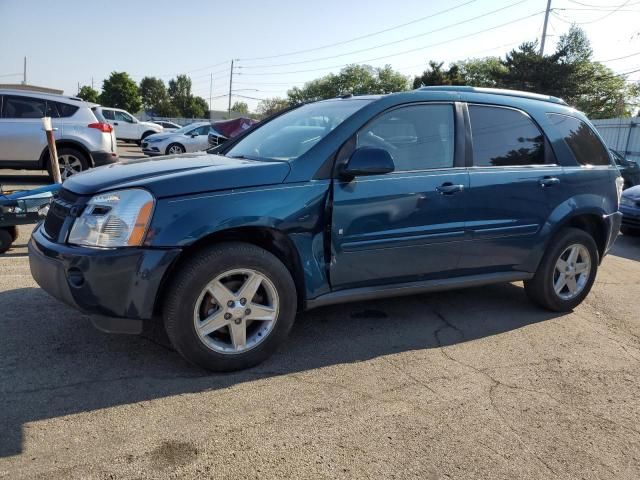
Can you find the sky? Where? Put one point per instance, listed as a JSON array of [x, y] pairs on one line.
[[280, 44]]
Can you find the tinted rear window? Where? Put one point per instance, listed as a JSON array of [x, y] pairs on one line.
[[60, 110], [583, 142], [504, 137]]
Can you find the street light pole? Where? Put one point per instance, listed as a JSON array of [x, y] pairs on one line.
[[230, 86]]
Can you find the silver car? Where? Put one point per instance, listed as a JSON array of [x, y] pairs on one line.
[[192, 138], [82, 140]]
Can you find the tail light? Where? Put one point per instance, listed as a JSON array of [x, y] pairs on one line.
[[103, 127]]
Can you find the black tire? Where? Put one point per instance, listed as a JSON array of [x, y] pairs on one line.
[[540, 288], [73, 152], [182, 149], [6, 239], [629, 231], [190, 280], [146, 134]]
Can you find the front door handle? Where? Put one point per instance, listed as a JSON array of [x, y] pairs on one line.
[[115, 123], [449, 188], [548, 181]]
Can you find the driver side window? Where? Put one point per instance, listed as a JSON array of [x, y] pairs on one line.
[[123, 117], [418, 137]]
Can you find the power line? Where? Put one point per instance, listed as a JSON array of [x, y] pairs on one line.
[[395, 42], [511, 22], [368, 35], [604, 16], [618, 58]]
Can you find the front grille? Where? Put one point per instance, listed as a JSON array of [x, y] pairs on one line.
[[145, 144], [59, 210]]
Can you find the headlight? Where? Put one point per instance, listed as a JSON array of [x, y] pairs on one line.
[[114, 219], [627, 201], [152, 140]]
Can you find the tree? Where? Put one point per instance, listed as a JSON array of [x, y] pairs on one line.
[[88, 94], [120, 91], [153, 93], [240, 107], [197, 107], [180, 93], [481, 72], [353, 79], [269, 106]]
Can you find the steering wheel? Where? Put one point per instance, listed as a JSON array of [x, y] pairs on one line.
[[372, 140]]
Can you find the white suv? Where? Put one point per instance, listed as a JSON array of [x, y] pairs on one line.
[[82, 140], [127, 127]]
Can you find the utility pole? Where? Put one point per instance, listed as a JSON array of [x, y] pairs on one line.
[[210, 95], [230, 86], [24, 74], [91, 83], [544, 27], [78, 89]]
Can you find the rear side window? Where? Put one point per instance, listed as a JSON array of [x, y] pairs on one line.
[[61, 110], [504, 137], [418, 137], [23, 107], [585, 145]]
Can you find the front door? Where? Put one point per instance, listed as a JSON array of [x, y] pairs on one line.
[[409, 224], [125, 126], [197, 139], [512, 178]]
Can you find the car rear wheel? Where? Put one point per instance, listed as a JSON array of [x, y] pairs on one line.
[[566, 273], [175, 149], [71, 161], [230, 307]]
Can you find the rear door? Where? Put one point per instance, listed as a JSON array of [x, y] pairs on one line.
[[22, 137], [509, 183], [409, 224]]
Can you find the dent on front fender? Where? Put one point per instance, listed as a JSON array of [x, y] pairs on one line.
[[296, 210]]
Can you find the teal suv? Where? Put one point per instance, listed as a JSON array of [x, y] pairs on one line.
[[353, 198]]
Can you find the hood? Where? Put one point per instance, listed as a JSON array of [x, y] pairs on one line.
[[152, 126], [179, 175], [633, 193], [160, 136]]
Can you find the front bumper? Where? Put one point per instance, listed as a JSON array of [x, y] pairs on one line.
[[104, 158], [118, 287]]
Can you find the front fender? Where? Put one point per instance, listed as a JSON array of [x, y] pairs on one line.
[[297, 210]]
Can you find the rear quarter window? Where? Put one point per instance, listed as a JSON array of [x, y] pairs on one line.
[[580, 138]]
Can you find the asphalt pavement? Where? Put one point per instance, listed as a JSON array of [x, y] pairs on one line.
[[467, 384]]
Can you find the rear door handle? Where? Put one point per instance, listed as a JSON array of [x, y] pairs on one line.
[[449, 188], [548, 181]]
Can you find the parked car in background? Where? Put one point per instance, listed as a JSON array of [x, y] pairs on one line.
[[630, 208], [126, 126], [192, 138], [167, 126], [354, 198], [226, 129], [82, 140], [629, 170]]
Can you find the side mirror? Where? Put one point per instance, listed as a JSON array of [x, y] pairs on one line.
[[194, 134], [368, 161]]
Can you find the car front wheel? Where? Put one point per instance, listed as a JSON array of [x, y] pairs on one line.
[[175, 149], [230, 307], [566, 273]]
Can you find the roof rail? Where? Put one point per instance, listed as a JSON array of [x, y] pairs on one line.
[[493, 91]]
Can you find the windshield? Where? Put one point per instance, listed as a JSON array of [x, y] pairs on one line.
[[292, 134]]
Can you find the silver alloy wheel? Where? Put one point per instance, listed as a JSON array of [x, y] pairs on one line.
[[69, 165], [572, 271], [175, 150], [236, 311]]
